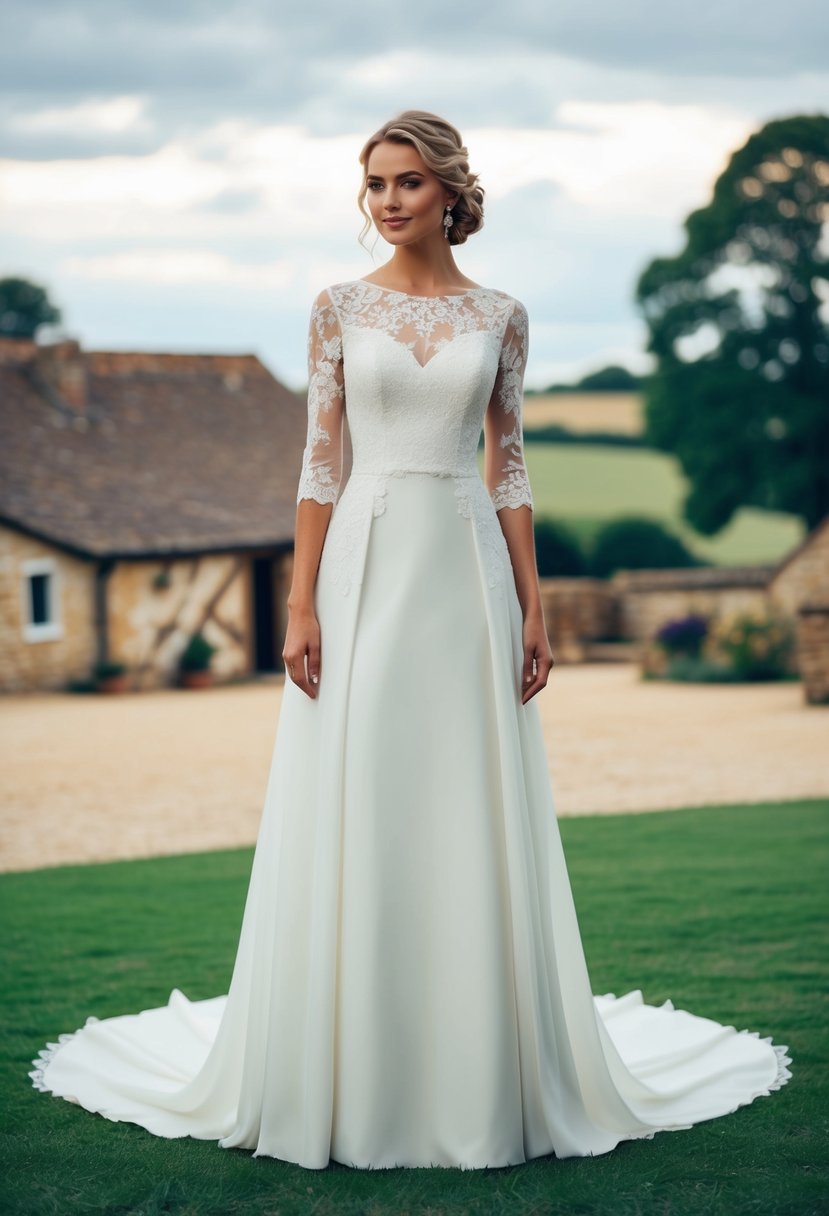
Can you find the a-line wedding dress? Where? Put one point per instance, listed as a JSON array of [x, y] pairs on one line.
[[410, 986]]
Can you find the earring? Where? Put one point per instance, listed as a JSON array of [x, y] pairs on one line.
[[448, 221]]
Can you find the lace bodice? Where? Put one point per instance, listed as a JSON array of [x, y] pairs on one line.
[[417, 378]]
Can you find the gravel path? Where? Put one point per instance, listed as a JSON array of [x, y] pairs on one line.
[[88, 778]]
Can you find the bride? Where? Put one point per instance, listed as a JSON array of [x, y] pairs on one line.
[[410, 987]]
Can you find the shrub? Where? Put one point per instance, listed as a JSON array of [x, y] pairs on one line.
[[557, 551], [554, 432], [757, 644], [637, 544]]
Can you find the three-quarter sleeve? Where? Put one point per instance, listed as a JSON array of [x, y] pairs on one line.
[[322, 459], [505, 472]]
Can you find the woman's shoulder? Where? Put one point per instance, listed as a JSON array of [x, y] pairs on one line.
[[516, 306]]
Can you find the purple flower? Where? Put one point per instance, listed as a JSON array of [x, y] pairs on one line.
[[683, 635]]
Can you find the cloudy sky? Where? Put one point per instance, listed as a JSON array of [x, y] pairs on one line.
[[184, 176]]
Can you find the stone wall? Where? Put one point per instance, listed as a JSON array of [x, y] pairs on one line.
[[813, 651], [650, 598], [48, 663], [576, 611], [153, 608], [803, 577]]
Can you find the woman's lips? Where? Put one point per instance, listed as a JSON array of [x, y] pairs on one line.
[[397, 223]]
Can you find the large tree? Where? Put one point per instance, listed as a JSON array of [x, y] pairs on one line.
[[24, 307], [740, 394]]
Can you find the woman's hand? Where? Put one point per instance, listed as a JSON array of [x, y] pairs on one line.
[[302, 638], [538, 657]]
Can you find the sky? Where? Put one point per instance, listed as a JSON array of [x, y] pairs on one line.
[[183, 177]]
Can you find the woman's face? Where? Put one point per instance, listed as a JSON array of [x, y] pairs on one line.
[[400, 187]]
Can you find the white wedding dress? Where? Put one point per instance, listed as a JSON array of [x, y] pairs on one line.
[[410, 986]]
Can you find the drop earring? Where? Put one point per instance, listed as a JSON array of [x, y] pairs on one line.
[[448, 221]]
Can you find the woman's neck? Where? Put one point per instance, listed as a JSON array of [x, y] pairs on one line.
[[422, 270]]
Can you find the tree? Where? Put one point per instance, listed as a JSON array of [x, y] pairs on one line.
[[24, 307], [740, 394], [611, 379]]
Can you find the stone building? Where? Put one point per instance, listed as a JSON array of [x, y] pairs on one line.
[[143, 498]]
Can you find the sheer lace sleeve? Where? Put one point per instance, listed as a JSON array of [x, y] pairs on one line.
[[505, 472], [322, 459]]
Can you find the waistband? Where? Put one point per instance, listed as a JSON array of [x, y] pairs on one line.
[[398, 472]]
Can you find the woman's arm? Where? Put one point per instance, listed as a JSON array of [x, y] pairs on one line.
[[509, 488], [517, 526], [319, 484]]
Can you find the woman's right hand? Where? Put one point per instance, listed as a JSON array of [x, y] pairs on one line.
[[302, 638]]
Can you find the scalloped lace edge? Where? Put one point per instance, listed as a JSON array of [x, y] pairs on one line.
[[46, 1054], [782, 1075]]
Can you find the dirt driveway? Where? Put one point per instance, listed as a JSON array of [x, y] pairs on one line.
[[86, 778]]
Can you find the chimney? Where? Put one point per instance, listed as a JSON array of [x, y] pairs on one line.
[[61, 370]]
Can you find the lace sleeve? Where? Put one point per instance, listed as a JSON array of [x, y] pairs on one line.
[[505, 471], [322, 459]]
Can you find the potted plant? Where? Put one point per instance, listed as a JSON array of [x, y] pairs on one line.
[[110, 677], [194, 664]]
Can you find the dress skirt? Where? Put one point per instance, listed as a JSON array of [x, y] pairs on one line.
[[410, 987]]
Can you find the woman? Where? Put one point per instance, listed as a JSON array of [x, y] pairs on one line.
[[410, 986]]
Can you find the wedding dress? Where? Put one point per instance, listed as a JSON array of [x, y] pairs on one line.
[[410, 986]]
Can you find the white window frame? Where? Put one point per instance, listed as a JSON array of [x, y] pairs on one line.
[[52, 629]]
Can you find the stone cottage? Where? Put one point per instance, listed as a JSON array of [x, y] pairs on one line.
[[143, 498]]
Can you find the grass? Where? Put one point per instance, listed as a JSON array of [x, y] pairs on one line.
[[587, 485], [722, 909]]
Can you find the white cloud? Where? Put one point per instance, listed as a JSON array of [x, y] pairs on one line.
[[112, 115], [641, 158]]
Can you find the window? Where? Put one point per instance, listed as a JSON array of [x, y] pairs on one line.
[[41, 600]]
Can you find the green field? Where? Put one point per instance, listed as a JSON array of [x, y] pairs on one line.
[[585, 485], [722, 909]]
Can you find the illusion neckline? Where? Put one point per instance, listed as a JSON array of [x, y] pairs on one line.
[[410, 295]]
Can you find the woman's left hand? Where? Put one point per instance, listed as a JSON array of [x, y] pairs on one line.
[[538, 657]]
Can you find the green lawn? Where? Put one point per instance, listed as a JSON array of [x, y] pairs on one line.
[[722, 909], [585, 485]]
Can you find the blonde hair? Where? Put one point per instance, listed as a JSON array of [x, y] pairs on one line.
[[442, 149]]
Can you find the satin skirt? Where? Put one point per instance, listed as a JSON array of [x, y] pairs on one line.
[[410, 986]]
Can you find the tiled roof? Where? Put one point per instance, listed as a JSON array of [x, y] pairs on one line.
[[128, 454]]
